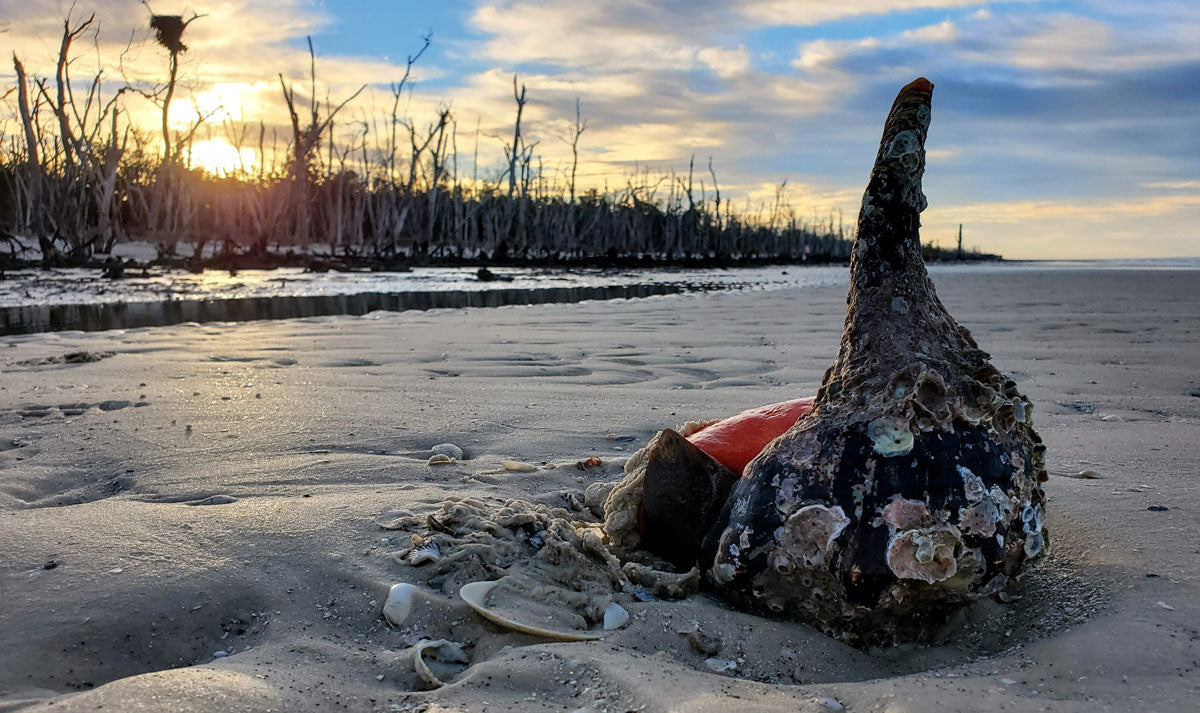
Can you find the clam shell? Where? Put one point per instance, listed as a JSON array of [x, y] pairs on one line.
[[441, 459], [475, 595]]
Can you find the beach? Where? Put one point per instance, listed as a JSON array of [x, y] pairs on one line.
[[190, 515]]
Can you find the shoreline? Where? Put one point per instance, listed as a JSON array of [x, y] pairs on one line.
[[72, 299]]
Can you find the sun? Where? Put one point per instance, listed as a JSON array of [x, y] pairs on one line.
[[221, 158]]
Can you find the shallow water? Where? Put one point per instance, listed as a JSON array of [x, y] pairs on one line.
[[79, 299]]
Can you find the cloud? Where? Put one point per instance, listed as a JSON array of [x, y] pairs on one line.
[[1042, 117], [1174, 185], [1099, 228], [725, 63], [1057, 125], [611, 35], [817, 12]]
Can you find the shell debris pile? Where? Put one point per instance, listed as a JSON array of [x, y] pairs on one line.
[[546, 567]]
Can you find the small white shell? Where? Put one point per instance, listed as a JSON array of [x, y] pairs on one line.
[[517, 466], [719, 665], [421, 555], [449, 450], [399, 603], [475, 595], [444, 650], [615, 616], [441, 459]]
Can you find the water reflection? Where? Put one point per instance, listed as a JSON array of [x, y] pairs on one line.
[[128, 315]]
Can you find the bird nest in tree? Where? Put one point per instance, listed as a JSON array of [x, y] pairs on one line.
[[169, 32]]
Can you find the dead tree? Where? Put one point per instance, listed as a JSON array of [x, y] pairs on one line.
[[577, 131], [32, 179], [397, 92], [168, 32], [306, 139], [515, 152], [67, 194], [31, 141], [62, 83]]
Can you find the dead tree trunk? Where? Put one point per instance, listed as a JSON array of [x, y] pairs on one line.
[[169, 31], [31, 142], [580, 127], [514, 154], [914, 485]]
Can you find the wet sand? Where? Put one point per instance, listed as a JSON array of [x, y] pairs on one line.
[[127, 585]]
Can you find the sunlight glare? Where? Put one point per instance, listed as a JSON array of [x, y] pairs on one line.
[[221, 158], [223, 101]]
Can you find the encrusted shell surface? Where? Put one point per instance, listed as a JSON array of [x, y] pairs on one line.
[[928, 554], [924, 445]]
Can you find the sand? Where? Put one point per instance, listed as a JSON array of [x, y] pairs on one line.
[[192, 523]]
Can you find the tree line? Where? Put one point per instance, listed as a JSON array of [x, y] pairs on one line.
[[78, 177]]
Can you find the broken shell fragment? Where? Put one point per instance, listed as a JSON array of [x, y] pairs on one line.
[[683, 493], [809, 534], [475, 594], [703, 643], [517, 466], [424, 554], [615, 616], [449, 654]]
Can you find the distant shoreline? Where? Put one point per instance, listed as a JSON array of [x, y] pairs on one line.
[[76, 299], [316, 262]]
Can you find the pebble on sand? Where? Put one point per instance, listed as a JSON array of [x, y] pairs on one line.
[[399, 603]]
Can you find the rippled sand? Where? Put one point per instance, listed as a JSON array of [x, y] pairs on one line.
[[126, 584]]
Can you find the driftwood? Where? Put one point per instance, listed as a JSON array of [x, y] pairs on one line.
[[913, 486]]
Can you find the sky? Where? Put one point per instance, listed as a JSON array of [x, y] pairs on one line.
[[1061, 128]]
